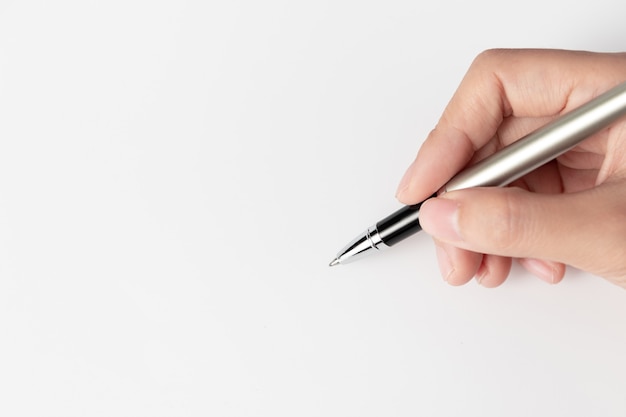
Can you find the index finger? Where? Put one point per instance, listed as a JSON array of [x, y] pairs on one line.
[[500, 84]]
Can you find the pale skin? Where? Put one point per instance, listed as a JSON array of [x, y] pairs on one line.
[[569, 212]]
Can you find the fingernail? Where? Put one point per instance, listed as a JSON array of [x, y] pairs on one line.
[[405, 181], [541, 269], [443, 259], [439, 217], [481, 274]]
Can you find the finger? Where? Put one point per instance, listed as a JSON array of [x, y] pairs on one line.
[[548, 271], [457, 266], [584, 229], [499, 84], [493, 270]]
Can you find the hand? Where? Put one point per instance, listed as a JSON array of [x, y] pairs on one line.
[[570, 211]]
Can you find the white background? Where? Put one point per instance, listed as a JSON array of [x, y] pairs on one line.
[[175, 177]]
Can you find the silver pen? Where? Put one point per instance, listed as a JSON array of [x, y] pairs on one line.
[[499, 169]]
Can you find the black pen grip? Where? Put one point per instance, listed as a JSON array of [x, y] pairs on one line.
[[400, 224]]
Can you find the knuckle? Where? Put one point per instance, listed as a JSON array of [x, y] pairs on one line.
[[489, 57]]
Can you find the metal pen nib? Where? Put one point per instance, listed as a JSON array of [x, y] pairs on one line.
[[368, 241], [387, 232]]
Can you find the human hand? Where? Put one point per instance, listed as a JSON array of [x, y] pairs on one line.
[[570, 211]]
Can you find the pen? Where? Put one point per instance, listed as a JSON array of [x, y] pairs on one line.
[[499, 169]]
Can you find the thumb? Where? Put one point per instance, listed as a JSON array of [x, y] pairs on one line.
[[585, 229]]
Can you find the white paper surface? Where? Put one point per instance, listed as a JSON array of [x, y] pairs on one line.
[[175, 177]]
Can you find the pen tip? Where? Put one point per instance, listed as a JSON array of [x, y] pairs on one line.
[[334, 262]]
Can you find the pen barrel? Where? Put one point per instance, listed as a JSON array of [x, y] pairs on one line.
[[544, 144]]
